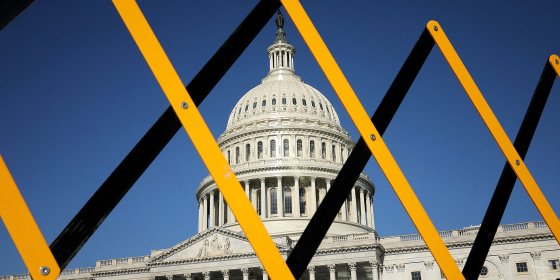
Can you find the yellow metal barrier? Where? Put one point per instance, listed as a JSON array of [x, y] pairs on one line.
[[24, 231], [42, 265]]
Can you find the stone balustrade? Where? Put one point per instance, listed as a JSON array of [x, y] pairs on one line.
[[469, 231]]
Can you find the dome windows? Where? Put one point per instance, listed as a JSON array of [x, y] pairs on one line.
[[272, 148], [264, 102], [312, 103], [304, 102], [255, 105], [321, 105], [283, 100], [273, 101], [294, 101], [246, 107]]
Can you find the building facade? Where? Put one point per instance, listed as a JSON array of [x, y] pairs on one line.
[[285, 144]]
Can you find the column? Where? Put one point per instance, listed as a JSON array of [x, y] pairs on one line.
[[169, 277], [352, 266], [372, 214], [200, 214], [245, 272], [429, 269], [504, 259], [540, 269], [345, 210], [313, 198], [221, 209], [369, 210], [295, 197], [264, 274], [279, 195], [207, 275], [311, 270], [362, 207], [205, 218], [188, 276], [247, 188], [400, 271], [263, 199], [328, 181], [374, 270], [225, 273], [212, 210], [332, 271], [230, 218], [354, 206]]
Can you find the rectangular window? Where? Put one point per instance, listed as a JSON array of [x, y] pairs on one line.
[[416, 275], [553, 264], [521, 267], [287, 201]]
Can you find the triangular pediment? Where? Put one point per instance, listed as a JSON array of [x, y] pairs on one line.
[[212, 243]]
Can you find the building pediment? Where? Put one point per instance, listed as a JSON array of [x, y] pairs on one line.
[[214, 243]]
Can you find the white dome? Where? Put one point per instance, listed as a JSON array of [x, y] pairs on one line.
[[284, 142], [282, 94]]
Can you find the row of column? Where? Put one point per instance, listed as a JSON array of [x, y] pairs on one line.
[[209, 211], [246, 272]]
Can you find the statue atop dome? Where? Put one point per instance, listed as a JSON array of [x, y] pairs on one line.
[[280, 20], [280, 34]]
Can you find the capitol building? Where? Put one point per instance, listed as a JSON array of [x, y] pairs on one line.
[[285, 144]]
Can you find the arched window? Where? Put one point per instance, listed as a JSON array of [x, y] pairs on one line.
[[258, 199], [312, 104], [259, 150], [312, 149], [287, 201], [304, 102], [273, 101], [273, 202], [299, 148], [246, 107], [286, 148], [323, 150], [237, 156], [255, 105], [294, 101], [283, 100], [272, 148], [302, 201], [247, 152], [333, 153], [320, 106], [229, 157], [264, 102]]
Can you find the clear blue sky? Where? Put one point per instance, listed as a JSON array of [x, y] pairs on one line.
[[76, 96]]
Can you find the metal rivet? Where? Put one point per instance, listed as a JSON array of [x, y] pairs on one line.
[[556, 60], [184, 105], [372, 137], [45, 270], [517, 162], [435, 28]]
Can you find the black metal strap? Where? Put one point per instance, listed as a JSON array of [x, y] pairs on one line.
[[328, 209], [110, 193], [10, 9], [503, 190]]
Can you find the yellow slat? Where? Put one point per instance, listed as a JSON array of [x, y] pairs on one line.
[[377, 147], [554, 60], [24, 230], [495, 128], [203, 140]]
